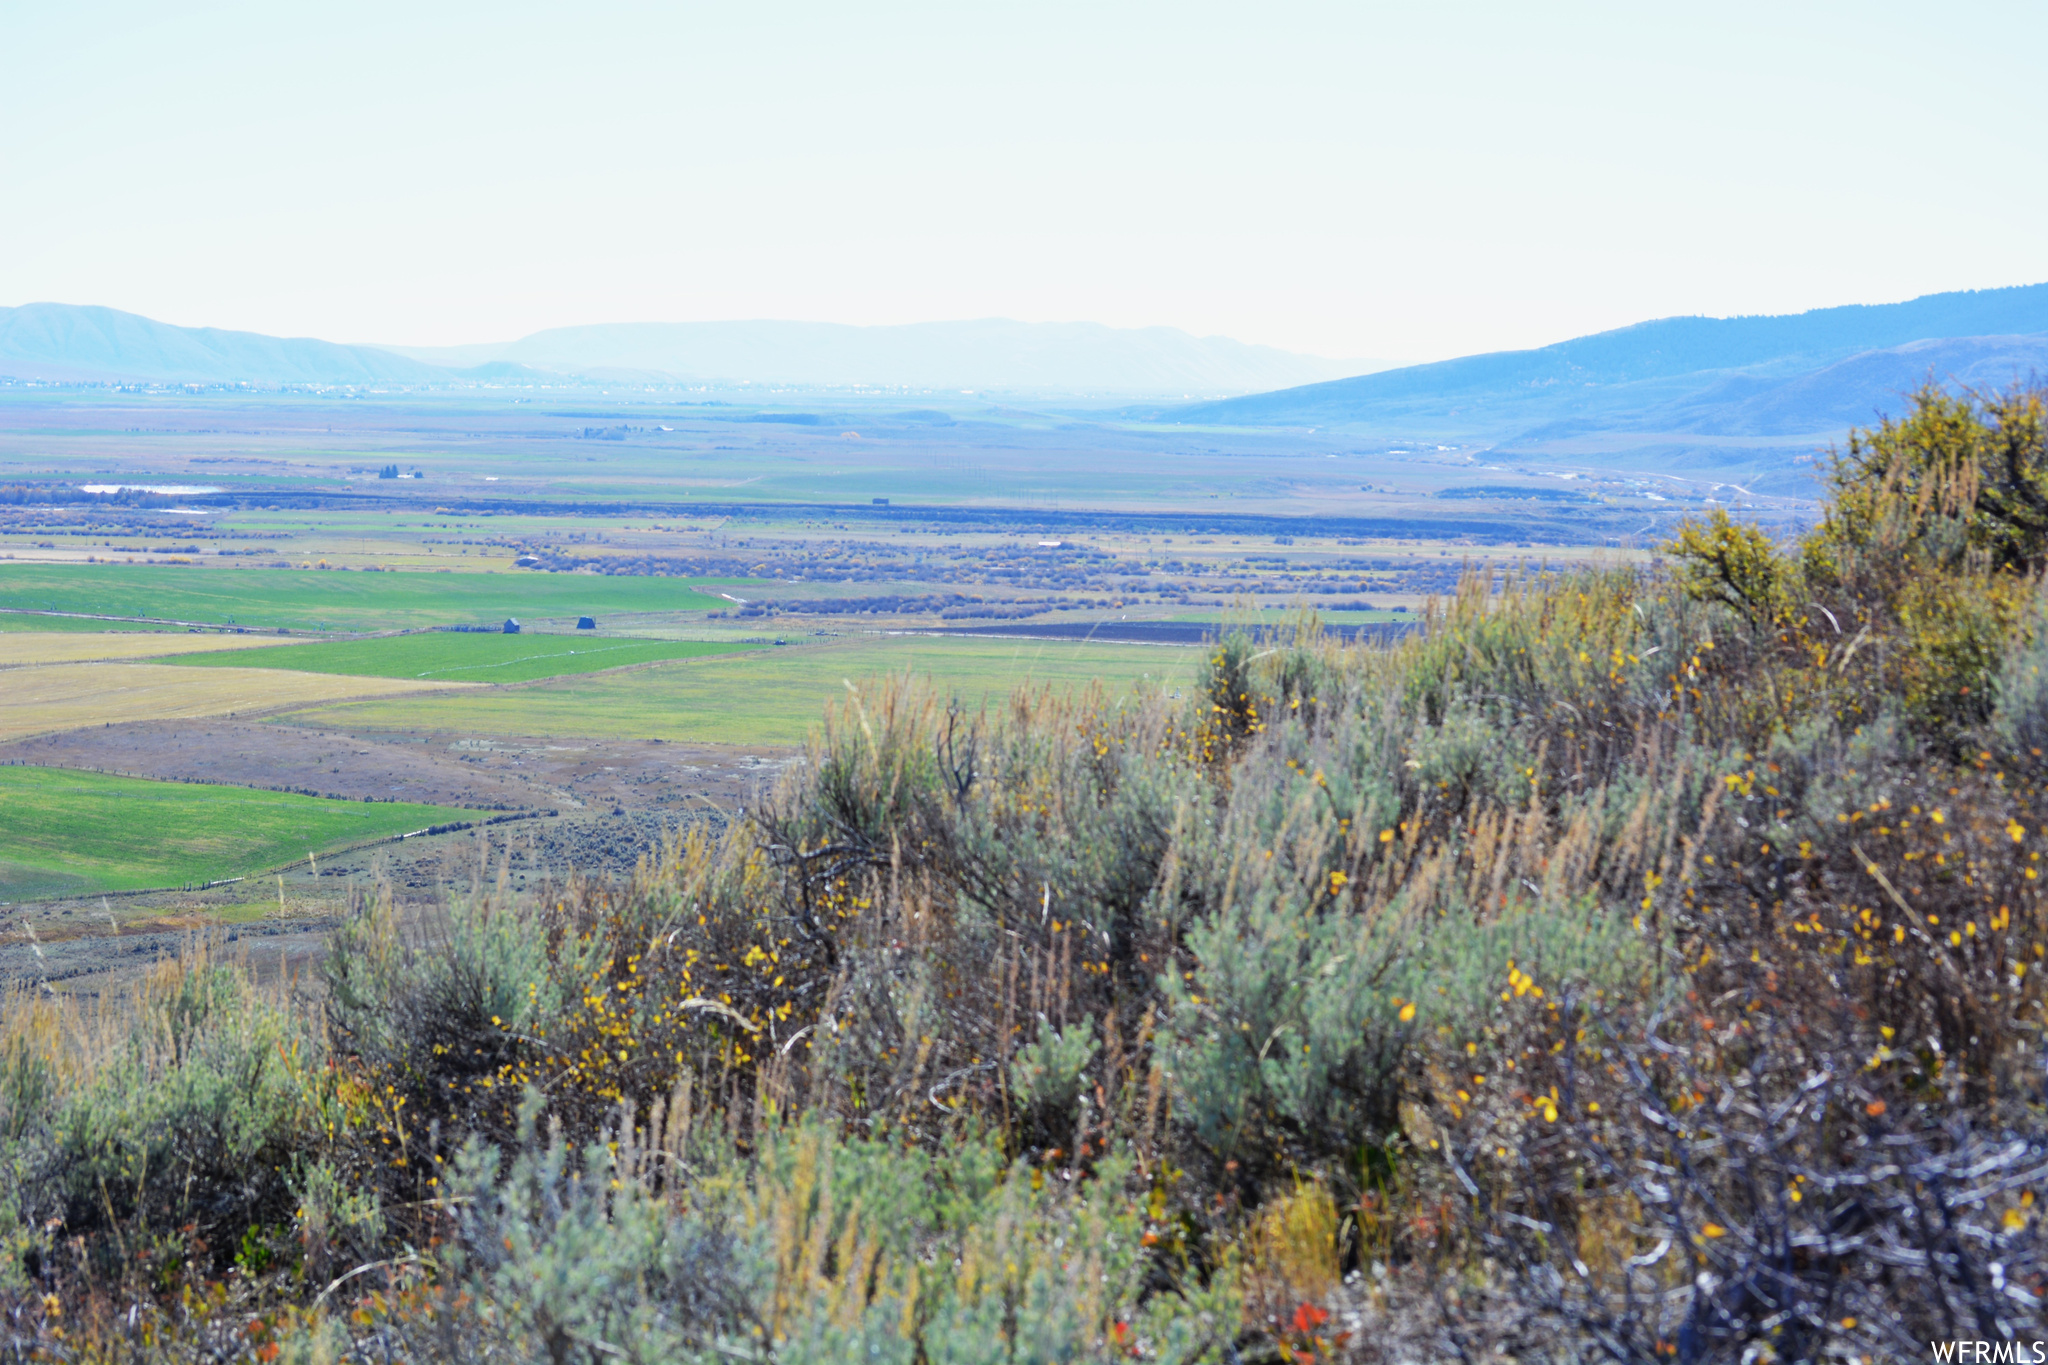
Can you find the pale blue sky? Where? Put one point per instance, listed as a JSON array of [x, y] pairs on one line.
[[1360, 179]]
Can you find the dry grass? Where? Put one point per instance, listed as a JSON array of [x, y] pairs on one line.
[[29, 648], [1295, 1245], [56, 697], [71, 1037]]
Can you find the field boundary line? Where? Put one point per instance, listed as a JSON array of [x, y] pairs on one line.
[[453, 827], [215, 782], [213, 626]]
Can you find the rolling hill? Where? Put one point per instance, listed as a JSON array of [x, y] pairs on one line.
[[68, 342], [1802, 374]]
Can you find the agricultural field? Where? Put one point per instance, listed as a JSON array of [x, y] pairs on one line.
[[644, 528], [73, 833], [695, 534], [25, 648], [766, 697], [56, 697], [665, 456], [42, 623], [449, 657], [299, 599]]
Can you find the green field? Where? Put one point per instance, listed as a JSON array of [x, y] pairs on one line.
[[449, 657], [765, 697], [309, 599], [16, 622], [67, 833]]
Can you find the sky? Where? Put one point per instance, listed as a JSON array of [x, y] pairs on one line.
[[1359, 180]]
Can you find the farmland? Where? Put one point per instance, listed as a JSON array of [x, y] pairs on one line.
[[64, 647], [53, 697], [296, 599], [765, 697], [468, 657], [687, 585], [44, 623], [73, 833], [693, 540]]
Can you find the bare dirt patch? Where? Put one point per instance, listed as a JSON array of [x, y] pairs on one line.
[[431, 768], [89, 964]]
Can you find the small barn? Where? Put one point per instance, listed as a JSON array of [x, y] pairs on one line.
[[511, 625], [586, 623]]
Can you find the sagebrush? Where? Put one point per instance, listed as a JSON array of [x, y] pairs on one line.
[[1634, 964]]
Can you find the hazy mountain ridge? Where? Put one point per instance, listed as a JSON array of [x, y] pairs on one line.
[[71, 343], [1801, 373], [1702, 382], [989, 353], [68, 342], [1842, 394]]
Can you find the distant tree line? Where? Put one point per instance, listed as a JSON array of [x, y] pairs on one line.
[[947, 605], [63, 494]]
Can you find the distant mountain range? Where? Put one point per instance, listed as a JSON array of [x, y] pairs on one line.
[[994, 353], [1698, 385], [1728, 398], [63, 342], [67, 342]]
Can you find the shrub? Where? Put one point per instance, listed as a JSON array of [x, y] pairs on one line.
[[188, 1124], [1736, 566], [2018, 724], [816, 1249], [1637, 964]]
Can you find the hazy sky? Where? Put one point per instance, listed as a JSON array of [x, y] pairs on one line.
[[1407, 180]]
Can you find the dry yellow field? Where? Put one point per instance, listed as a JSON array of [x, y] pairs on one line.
[[29, 647], [55, 697]]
